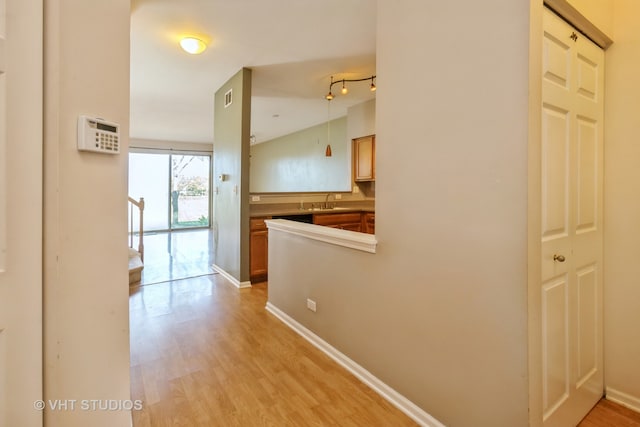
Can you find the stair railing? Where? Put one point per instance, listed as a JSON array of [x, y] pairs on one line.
[[140, 205]]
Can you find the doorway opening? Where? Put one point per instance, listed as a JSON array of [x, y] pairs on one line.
[[177, 207], [175, 187]]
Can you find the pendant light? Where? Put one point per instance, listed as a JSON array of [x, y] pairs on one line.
[[327, 151]]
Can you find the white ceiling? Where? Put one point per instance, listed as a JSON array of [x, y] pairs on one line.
[[292, 46]]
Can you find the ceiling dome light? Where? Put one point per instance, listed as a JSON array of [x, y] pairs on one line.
[[193, 45]]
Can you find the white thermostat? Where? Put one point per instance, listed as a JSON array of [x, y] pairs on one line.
[[98, 135]]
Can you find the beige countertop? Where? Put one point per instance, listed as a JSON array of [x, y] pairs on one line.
[[291, 209]]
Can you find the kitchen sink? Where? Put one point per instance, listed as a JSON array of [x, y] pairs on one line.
[[336, 208]]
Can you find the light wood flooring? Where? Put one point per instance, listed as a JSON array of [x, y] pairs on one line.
[[610, 414], [177, 255], [204, 353]]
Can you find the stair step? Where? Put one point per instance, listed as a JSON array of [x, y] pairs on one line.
[[135, 267]]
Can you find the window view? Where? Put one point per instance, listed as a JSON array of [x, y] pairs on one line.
[[189, 191], [175, 188]]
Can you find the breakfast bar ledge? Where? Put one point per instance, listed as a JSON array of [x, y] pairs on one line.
[[349, 239]]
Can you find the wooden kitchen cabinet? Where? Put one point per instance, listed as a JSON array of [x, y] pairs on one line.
[[345, 221], [369, 222], [258, 249], [364, 158], [259, 236]]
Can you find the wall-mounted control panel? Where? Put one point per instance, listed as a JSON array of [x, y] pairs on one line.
[[98, 135]]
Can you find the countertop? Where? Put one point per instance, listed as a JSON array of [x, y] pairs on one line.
[[292, 209]]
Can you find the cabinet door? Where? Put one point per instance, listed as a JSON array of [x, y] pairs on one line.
[[344, 221], [352, 226], [259, 256], [369, 222], [336, 220], [258, 250], [364, 158]]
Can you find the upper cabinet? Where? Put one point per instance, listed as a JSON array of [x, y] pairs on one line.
[[364, 158]]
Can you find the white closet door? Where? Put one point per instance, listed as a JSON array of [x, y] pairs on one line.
[[572, 240]]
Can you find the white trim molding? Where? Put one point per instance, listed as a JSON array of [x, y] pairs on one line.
[[623, 399], [238, 284], [570, 14], [348, 239], [392, 396]]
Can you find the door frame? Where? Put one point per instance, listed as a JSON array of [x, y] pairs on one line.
[[21, 270], [180, 152]]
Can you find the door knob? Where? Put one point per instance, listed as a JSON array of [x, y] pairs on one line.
[[559, 258]]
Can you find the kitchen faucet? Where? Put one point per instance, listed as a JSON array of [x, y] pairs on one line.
[[326, 201]]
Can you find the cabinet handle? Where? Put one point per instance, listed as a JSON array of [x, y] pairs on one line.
[[559, 258]]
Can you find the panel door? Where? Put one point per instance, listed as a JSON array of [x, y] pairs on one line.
[[572, 240], [20, 212], [258, 249], [259, 254]]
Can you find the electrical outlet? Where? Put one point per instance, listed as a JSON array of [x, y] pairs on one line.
[[356, 189], [311, 305], [338, 196], [255, 198]]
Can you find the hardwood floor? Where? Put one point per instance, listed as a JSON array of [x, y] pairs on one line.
[[177, 255], [204, 353], [610, 414]]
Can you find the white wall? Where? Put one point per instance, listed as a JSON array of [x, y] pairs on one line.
[[86, 291], [21, 177], [599, 12], [622, 207], [361, 120], [297, 162], [439, 313]]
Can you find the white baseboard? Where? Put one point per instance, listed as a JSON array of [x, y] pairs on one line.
[[238, 284], [395, 398], [623, 399]]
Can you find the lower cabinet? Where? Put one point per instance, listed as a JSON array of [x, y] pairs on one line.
[[258, 249], [344, 221], [259, 236], [369, 222]]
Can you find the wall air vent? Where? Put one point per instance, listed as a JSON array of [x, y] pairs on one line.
[[228, 98]]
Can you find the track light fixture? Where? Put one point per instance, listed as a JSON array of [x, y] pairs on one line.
[[329, 96]]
